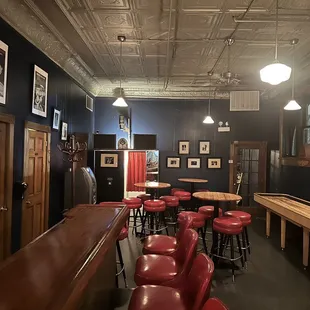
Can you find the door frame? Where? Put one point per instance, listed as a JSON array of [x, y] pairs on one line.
[[9, 120], [46, 129]]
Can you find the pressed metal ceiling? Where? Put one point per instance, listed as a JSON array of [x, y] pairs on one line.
[[171, 45]]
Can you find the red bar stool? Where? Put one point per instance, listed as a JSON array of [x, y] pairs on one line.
[[134, 205], [155, 211], [172, 204], [122, 236], [184, 198], [214, 304], [199, 223], [144, 197], [227, 227], [190, 295], [173, 190], [246, 220], [167, 270], [166, 245]]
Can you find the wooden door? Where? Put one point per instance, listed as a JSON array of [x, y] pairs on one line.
[[33, 215], [3, 208], [248, 162]]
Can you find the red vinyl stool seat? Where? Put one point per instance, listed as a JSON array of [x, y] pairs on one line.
[[167, 270], [214, 304], [173, 190], [166, 245], [155, 210], [122, 236], [190, 294], [134, 204], [246, 220], [228, 227], [171, 201], [208, 211], [183, 195]]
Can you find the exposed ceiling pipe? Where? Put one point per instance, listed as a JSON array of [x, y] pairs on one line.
[[244, 21], [231, 35], [168, 46]]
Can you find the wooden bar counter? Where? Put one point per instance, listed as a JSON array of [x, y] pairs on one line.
[[67, 265]]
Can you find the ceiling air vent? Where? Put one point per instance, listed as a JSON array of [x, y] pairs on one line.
[[244, 101], [89, 103]]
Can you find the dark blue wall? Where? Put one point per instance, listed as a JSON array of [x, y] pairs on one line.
[[63, 93], [173, 120]]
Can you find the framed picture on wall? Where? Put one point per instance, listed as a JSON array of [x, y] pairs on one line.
[[214, 163], [204, 147], [4, 49], [64, 131], [39, 96], [183, 147], [173, 162], [193, 162], [109, 160], [56, 119]]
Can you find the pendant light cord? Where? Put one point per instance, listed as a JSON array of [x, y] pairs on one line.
[[209, 112], [277, 24], [120, 69], [293, 73]]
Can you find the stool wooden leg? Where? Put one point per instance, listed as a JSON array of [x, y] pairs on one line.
[[203, 236], [305, 248], [232, 256], [221, 245], [240, 250], [135, 220], [283, 233], [143, 224], [244, 244], [268, 215], [120, 256], [164, 222], [247, 240]]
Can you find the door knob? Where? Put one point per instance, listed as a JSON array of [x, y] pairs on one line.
[[28, 202], [3, 208]]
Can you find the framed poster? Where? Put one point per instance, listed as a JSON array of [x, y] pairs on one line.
[[173, 162], [204, 147], [64, 131], [39, 96], [152, 161], [193, 162], [4, 49], [214, 163], [109, 160], [56, 119], [183, 147]]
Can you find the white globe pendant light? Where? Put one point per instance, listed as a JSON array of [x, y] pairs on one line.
[[120, 101], [208, 119], [293, 104], [276, 72]]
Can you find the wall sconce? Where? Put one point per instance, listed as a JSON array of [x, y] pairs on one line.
[[72, 148], [223, 127]]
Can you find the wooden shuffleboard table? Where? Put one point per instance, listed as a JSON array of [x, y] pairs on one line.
[[289, 208]]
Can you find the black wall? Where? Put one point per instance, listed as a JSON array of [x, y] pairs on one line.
[[173, 120], [63, 93]]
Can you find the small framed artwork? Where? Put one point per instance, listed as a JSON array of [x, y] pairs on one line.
[[214, 163], [109, 160], [194, 162], [64, 131], [204, 147], [4, 49], [183, 147], [39, 96], [56, 119], [173, 162]]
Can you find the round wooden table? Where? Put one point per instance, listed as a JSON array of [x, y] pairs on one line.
[[215, 198], [192, 181], [153, 186]]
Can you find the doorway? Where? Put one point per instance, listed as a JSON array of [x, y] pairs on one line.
[[247, 172], [36, 175], [6, 182]]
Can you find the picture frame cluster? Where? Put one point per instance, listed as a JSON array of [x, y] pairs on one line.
[[204, 148]]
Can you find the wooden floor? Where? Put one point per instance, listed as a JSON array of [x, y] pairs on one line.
[[274, 280]]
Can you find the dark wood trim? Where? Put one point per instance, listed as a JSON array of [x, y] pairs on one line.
[[9, 120], [37, 127], [231, 168]]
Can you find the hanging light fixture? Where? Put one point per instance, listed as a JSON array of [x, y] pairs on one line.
[[120, 101], [208, 119], [293, 104], [276, 72]]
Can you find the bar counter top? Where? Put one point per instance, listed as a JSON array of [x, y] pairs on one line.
[[53, 271]]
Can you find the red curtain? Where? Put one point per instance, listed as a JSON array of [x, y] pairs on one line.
[[136, 172]]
